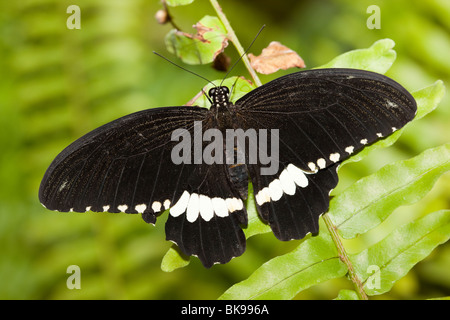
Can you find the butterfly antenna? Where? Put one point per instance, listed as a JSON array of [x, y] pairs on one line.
[[182, 68], [248, 48], [232, 88]]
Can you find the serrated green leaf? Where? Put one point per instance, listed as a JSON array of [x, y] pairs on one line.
[[378, 58], [175, 3], [369, 201], [396, 254], [315, 260], [202, 47]]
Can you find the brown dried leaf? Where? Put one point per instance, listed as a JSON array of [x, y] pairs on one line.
[[275, 57]]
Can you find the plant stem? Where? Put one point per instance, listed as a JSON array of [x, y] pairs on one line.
[[233, 38], [344, 258]]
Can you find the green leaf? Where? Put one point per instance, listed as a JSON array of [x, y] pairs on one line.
[[396, 254], [255, 224], [174, 259], [202, 47], [346, 294], [428, 98], [174, 3], [369, 201], [378, 58], [315, 260]]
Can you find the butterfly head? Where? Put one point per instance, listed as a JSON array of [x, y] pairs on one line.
[[219, 96]]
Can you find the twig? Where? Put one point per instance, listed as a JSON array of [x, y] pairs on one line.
[[233, 38], [344, 258]]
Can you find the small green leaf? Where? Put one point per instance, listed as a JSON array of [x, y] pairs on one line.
[[372, 199], [346, 294], [315, 260], [428, 98], [378, 58], [255, 224], [202, 47], [174, 259], [396, 254], [174, 3]]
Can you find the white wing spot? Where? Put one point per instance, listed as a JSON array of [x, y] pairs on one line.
[[298, 176], [321, 163], [181, 205], [63, 185], [88, 208], [275, 190], [166, 204], [122, 207], [156, 206], [220, 207], [349, 149], [335, 157], [312, 166], [140, 208], [193, 207], [363, 141], [379, 135], [287, 181], [390, 104], [262, 196], [234, 204], [206, 208], [105, 208]]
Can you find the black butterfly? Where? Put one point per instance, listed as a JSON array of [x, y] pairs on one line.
[[321, 117]]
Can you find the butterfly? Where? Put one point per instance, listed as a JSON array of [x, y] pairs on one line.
[[316, 118]]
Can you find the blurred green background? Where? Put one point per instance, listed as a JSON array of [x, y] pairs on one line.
[[57, 84]]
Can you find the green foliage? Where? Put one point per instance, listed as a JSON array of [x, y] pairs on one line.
[[378, 58], [396, 254], [199, 48], [58, 84], [175, 3], [315, 260], [369, 201]]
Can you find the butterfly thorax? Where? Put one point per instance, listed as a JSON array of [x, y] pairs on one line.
[[220, 106]]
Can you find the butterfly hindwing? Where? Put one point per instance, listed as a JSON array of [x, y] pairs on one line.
[[292, 200], [211, 228]]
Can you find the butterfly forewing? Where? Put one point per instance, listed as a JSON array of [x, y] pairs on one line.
[[122, 166]]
